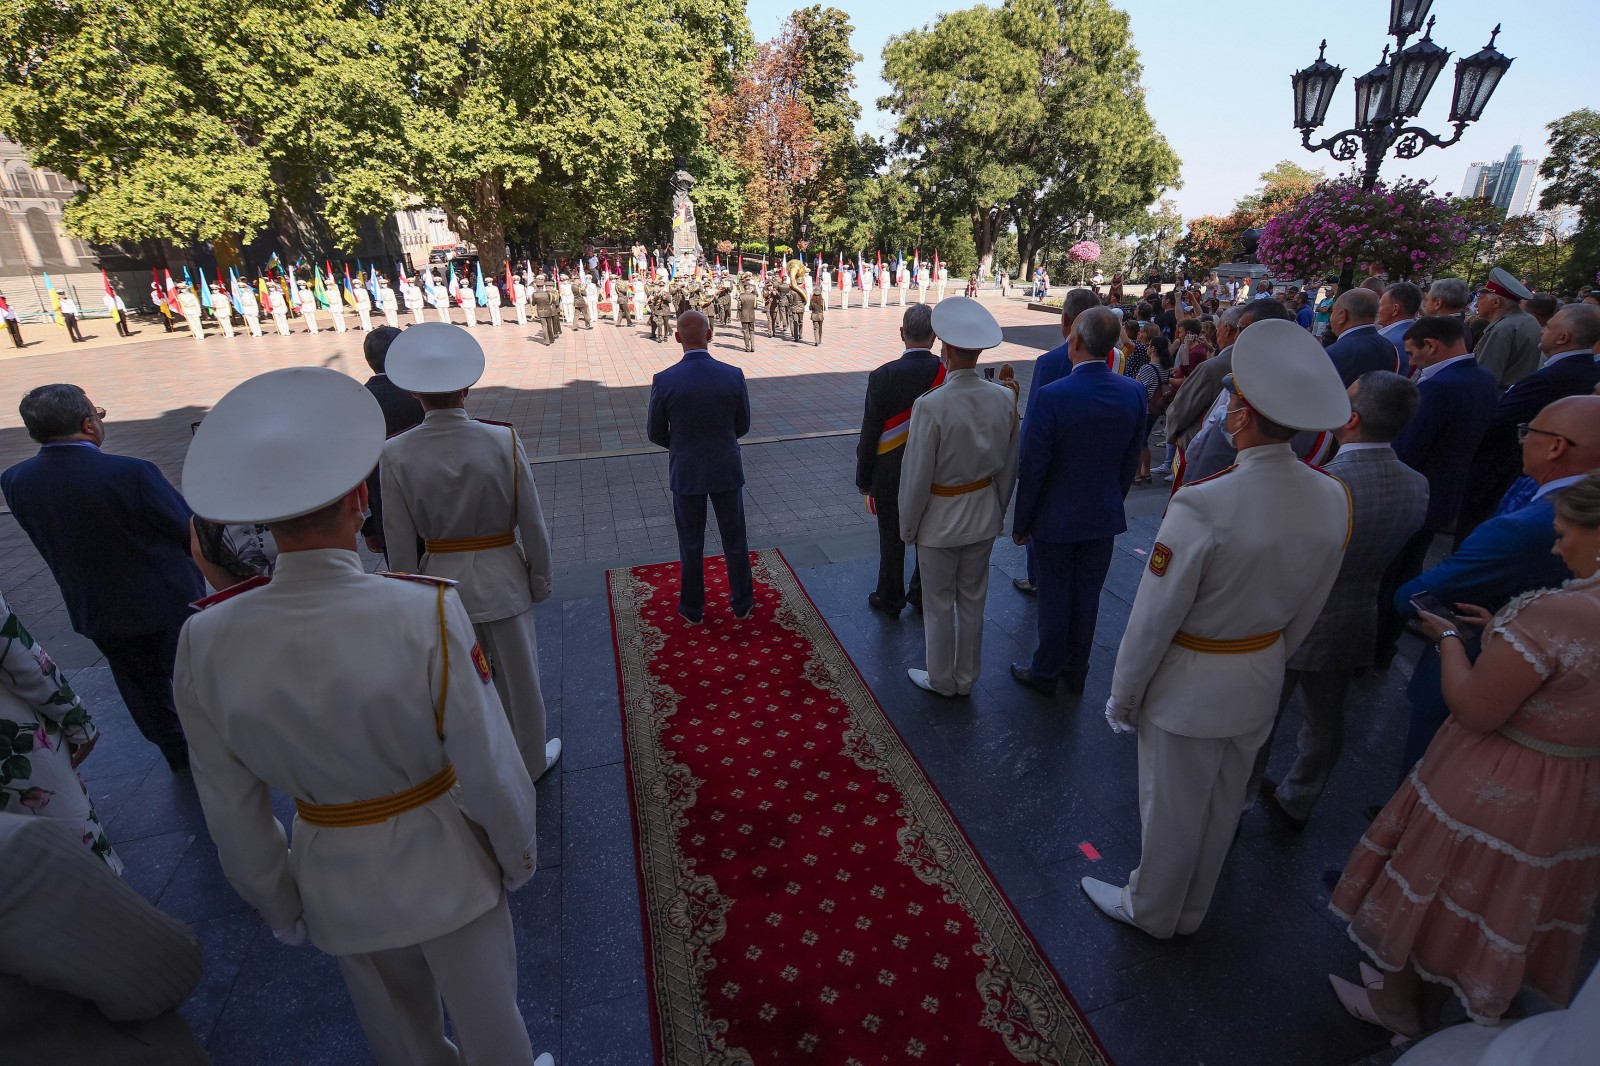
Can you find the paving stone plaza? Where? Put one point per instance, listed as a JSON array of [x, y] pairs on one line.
[[1031, 780]]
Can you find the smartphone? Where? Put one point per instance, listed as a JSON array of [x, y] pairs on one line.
[[1428, 602]]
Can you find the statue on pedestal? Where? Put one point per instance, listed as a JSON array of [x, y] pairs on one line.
[[685, 235]]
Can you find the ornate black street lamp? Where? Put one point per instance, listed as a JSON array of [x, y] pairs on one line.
[[1391, 94]]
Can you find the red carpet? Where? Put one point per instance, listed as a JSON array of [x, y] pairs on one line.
[[807, 897]]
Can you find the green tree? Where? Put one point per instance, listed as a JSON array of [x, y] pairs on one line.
[[1213, 239], [1572, 170], [1030, 114]]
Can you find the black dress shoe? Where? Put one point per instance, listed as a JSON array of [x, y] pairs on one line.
[[177, 758], [1024, 675], [1024, 586], [875, 601], [914, 602], [1280, 817]]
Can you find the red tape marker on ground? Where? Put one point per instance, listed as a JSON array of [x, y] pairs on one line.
[[1089, 851]]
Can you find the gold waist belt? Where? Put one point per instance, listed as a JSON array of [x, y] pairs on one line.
[[1241, 646], [1548, 747], [960, 490], [471, 544], [371, 812]]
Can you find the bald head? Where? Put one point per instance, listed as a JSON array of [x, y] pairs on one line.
[[1575, 327], [1566, 440], [694, 331]]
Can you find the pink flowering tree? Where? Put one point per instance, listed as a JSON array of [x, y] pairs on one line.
[[1083, 253], [1401, 230]]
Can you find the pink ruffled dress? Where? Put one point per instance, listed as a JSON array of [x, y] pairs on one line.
[[1483, 870]]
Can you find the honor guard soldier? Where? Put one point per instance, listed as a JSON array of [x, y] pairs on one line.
[[622, 298], [465, 487], [390, 874], [363, 305], [797, 314], [819, 310], [747, 316], [1239, 572], [580, 304], [777, 306], [547, 308]]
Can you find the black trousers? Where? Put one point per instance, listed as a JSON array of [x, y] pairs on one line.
[[72, 327], [892, 558], [1406, 565], [689, 512], [141, 665], [15, 329], [122, 326], [1070, 576]]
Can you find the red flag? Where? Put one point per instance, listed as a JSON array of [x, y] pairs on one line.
[[763, 271], [161, 296], [511, 287], [172, 292], [116, 315]]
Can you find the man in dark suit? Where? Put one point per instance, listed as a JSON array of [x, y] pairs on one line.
[[1458, 399], [401, 411], [1397, 309], [1567, 343], [1052, 366], [891, 390], [699, 408], [115, 534], [1080, 449], [1360, 347], [1507, 555], [1388, 502]]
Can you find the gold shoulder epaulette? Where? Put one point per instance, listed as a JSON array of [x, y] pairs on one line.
[[1213, 477], [421, 579]]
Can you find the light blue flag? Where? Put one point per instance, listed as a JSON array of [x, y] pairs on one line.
[[205, 290], [479, 291]]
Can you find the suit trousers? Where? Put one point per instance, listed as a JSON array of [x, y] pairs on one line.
[[1191, 790], [689, 512], [955, 583], [892, 558], [1318, 745], [1070, 577], [513, 650], [1406, 565], [141, 665], [397, 996]]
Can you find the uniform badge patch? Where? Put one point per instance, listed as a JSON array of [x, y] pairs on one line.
[[481, 661], [1160, 559]]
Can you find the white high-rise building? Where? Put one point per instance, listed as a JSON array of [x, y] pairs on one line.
[[1512, 183]]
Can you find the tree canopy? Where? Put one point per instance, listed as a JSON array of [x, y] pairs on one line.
[[1213, 239], [1030, 114], [1572, 170]]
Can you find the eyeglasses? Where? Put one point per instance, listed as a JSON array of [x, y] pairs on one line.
[[100, 412], [1524, 429]]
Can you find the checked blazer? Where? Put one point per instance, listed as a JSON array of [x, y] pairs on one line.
[[1388, 501]]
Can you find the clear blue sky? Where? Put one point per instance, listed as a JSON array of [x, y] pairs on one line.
[[1217, 78]]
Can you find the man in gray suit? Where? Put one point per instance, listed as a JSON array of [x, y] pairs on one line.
[[1389, 501]]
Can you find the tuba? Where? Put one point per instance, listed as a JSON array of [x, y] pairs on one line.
[[796, 272]]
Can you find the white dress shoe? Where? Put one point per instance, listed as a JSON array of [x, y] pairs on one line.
[[1107, 898], [546, 1059], [919, 678], [552, 752]]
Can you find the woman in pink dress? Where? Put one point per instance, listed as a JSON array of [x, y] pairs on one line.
[[1481, 874]]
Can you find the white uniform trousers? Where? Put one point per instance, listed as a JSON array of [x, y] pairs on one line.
[[254, 322], [397, 996], [364, 314], [225, 322], [310, 316], [522, 315], [470, 313], [416, 314], [281, 319], [513, 651], [337, 314], [391, 314], [955, 584], [1190, 793], [494, 312]]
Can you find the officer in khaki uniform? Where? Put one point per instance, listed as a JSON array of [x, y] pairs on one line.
[[747, 316], [466, 488], [389, 873], [547, 309], [580, 304], [1241, 567], [622, 298], [956, 478], [819, 310]]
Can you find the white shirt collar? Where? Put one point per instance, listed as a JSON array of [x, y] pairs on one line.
[[1558, 484], [1361, 446], [1562, 355], [1427, 372]]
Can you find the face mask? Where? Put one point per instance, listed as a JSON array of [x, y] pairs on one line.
[[1227, 434]]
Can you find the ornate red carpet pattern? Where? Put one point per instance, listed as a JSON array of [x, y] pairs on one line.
[[807, 896]]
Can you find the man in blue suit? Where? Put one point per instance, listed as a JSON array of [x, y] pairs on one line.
[[699, 408], [1052, 366], [1458, 399], [1507, 555], [1567, 343], [1080, 449], [1360, 346], [115, 534], [1397, 310]]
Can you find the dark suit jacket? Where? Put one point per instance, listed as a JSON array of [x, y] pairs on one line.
[[1360, 349], [115, 534], [1498, 461], [401, 411], [1080, 449], [1051, 366], [1388, 502], [891, 390], [1504, 557], [699, 408], [1457, 404]]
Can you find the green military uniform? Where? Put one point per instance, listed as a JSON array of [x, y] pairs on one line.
[[797, 314], [777, 307], [819, 308], [548, 311], [580, 306], [747, 317], [622, 295]]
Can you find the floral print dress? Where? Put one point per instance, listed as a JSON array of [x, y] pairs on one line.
[[41, 720]]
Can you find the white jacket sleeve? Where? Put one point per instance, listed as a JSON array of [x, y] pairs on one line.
[[1183, 548], [530, 524], [916, 470]]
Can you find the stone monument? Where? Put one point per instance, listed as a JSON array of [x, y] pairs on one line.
[[685, 235]]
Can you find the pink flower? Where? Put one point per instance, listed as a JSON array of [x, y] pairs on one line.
[[36, 799]]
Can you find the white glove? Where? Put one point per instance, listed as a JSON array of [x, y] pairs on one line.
[[296, 936], [1120, 718]]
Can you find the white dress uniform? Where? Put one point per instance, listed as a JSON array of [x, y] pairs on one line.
[[222, 307], [955, 484], [1241, 567], [903, 281], [519, 299], [568, 306], [308, 308], [278, 308], [364, 307], [389, 871], [391, 303], [336, 308], [415, 301], [468, 303], [251, 309], [922, 285], [494, 304], [466, 487], [847, 277], [189, 305]]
